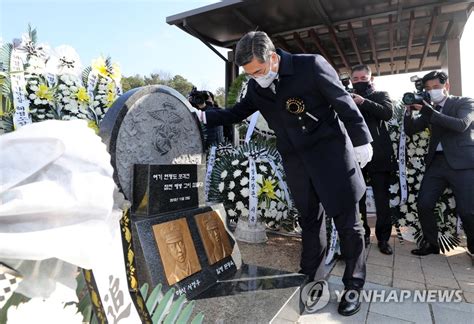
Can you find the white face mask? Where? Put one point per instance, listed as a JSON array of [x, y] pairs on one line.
[[437, 95], [265, 80]]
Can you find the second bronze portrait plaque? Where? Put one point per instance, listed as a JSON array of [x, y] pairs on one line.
[[177, 250], [214, 236]]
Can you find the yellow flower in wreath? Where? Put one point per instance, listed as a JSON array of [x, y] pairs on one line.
[[100, 67], [44, 92], [82, 95], [267, 189]]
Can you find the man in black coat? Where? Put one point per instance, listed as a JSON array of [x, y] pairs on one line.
[[376, 108], [450, 158], [320, 134]]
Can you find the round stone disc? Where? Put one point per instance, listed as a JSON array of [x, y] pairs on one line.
[[150, 125]]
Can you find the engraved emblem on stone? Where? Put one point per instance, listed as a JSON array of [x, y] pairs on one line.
[[214, 236], [177, 250]]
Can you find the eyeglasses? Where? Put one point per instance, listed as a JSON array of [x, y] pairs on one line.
[[260, 72]]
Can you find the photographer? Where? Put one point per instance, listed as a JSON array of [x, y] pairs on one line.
[[376, 108], [450, 158], [204, 100]]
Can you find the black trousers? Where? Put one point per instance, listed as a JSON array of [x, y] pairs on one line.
[[437, 178], [380, 182], [313, 224]]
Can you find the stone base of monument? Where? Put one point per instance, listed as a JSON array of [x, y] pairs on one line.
[[253, 295], [250, 234]]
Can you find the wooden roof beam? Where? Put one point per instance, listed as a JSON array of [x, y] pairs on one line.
[[372, 45], [333, 36], [354, 43], [283, 44], [314, 37], [300, 42], [434, 19], [411, 29]]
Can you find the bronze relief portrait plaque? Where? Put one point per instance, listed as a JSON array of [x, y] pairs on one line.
[[177, 250], [214, 236]]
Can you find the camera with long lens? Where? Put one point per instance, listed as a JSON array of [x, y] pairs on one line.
[[345, 79], [411, 98], [197, 98]]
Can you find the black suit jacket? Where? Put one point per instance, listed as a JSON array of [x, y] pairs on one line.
[[322, 148], [376, 109], [453, 128]]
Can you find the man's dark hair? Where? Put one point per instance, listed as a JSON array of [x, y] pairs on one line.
[[361, 67], [255, 44], [433, 75]]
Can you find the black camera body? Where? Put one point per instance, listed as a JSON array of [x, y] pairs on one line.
[[411, 98], [345, 79], [197, 98]]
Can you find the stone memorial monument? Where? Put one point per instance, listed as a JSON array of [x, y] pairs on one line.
[[150, 125], [156, 148]]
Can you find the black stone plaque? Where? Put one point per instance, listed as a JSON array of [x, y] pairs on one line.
[[163, 188], [151, 235]]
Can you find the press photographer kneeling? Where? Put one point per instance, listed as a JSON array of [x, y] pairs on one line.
[[450, 158], [204, 100]]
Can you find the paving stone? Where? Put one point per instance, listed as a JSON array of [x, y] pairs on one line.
[[374, 318], [379, 270], [469, 297], [408, 311], [444, 313], [416, 276], [467, 286], [378, 279], [407, 284], [442, 282]]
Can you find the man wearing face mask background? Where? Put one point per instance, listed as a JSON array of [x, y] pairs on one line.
[[376, 108], [321, 137], [450, 158]]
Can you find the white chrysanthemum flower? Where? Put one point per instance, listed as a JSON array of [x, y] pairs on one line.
[[32, 96], [411, 198], [239, 205], [37, 101], [420, 151], [411, 152], [231, 213], [394, 188], [38, 310], [237, 173], [244, 192], [245, 212], [424, 134], [34, 88], [452, 202], [279, 215], [404, 209], [410, 179], [224, 174], [417, 186], [410, 217], [244, 181], [33, 81], [273, 204], [415, 138], [263, 168], [422, 142], [395, 201], [231, 196], [64, 60], [417, 164], [221, 187], [402, 222], [259, 178], [231, 185], [410, 171]]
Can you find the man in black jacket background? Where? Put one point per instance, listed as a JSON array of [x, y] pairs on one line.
[[376, 108], [450, 158]]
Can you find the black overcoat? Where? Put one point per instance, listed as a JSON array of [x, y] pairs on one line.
[[322, 148]]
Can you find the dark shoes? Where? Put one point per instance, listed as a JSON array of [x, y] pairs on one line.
[[425, 249], [385, 248], [350, 302]]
